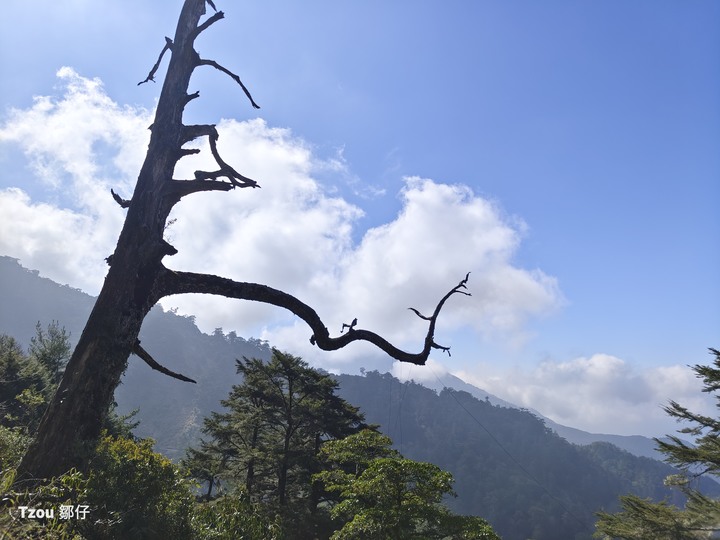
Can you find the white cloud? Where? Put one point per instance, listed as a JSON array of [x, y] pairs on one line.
[[293, 233], [78, 146], [600, 393]]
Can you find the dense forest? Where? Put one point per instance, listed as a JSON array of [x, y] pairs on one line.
[[509, 467]]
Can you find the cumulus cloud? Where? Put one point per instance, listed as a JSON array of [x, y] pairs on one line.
[[600, 393], [61, 220], [294, 233]]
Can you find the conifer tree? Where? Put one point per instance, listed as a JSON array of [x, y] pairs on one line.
[[267, 441], [641, 519]]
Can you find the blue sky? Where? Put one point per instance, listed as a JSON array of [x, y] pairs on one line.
[[589, 130]]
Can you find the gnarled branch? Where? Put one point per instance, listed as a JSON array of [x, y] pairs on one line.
[[213, 63], [150, 361], [192, 132], [151, 75], [171, 283], [226, 170]]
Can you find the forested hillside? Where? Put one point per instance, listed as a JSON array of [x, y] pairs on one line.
[[509, 467], [170, 411]]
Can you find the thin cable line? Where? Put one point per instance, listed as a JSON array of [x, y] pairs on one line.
[[514, 460]]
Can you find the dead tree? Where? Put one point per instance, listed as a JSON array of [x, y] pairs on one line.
[[137, 278]]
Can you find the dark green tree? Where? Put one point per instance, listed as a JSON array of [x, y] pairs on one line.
[[28, 381], [642, 519], [51, 347], [268, 440]]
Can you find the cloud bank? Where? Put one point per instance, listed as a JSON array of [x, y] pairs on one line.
[[295, 233], [600, 393]]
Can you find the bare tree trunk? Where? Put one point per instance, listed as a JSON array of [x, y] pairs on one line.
[[137, 278]]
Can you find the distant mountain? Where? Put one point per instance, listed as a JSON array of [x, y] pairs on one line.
[[635, 444], [510, 468], [28, 298], [170, 411]]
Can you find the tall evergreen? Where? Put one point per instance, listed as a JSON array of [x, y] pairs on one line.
[[267, 441]]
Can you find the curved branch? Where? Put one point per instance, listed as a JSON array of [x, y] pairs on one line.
[[171, 283], [150, 361], [217, 66], [124, 203]]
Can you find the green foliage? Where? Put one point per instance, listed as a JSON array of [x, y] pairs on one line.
[[267, 442], [137, 493], [51, 348], [643, 519], [13, 442], [234, 517], [130, 492], [25, 386], [64, 490], [385, 496]]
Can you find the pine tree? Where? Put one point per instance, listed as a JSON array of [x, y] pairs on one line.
[[641, 519], [267, 441]]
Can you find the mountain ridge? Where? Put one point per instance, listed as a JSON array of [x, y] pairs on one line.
[[71, 307]]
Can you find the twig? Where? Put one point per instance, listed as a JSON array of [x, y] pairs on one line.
[[151, 75], [124, 203]]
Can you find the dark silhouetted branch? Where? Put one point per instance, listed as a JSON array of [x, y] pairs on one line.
[[215, 18], [211, 4], [150, 361], [350, 326], [190, 97], [177, 189], [192, 132], [226, 170], [187, 152], [171, 283], [151, 75], [217, 66], [124, 203], [419, 314]]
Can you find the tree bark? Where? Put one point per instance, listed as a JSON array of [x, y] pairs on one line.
[[137, 278]]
